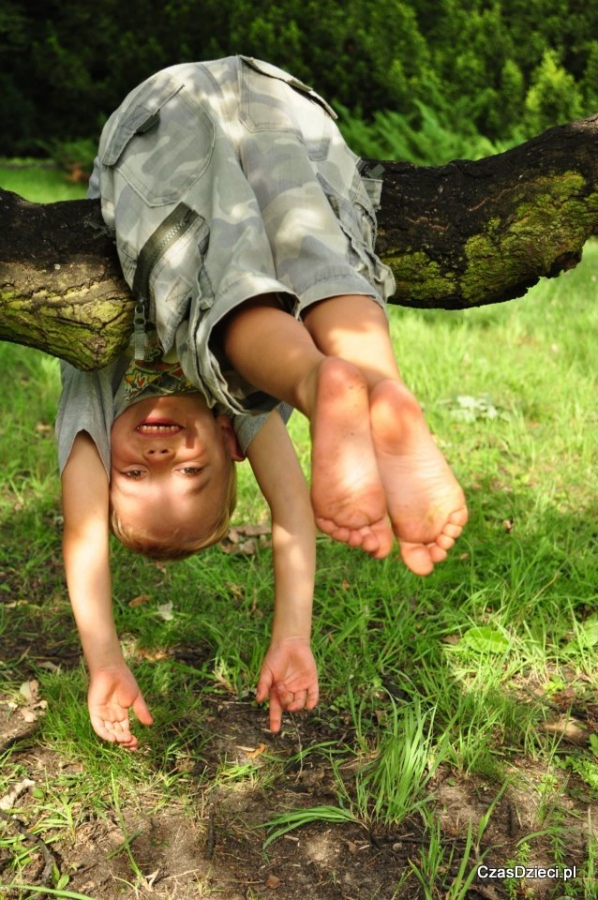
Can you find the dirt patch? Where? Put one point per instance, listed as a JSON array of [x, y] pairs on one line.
[[209, 843]]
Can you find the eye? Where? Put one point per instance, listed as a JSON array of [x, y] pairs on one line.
[[134, 474], [190, 471]]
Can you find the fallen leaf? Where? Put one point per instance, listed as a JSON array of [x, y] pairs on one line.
[[138, 601], [8, 801], [451, 639], [30, 691], [246, 539], [568, 729], [50, 666], [244, 531], [165, 611], [247, 548], [153, 655], [273, 882], [252, 752]]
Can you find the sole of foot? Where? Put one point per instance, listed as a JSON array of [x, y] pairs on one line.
[[425, 502], [348, 496]]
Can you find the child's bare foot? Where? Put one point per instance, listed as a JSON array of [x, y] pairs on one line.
[[348, 497], [425, 502]]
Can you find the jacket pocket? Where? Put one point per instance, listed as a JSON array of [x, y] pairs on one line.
[[159, 141], [273, 100]]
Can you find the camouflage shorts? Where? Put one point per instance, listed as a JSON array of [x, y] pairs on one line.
[[223, 181]]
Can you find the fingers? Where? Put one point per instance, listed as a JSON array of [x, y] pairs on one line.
[[313, 695], [282, 699], [263, 686], [142, 712], [115, 732], [113, 724], [275, 713]]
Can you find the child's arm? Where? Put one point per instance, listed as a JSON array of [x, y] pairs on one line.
[[288, 675], [112, 688]]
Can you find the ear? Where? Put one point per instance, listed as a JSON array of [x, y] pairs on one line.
[[229, 438]]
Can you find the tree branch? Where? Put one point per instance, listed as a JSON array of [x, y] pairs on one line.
[[456, 236], [61, 288], [472, 233]]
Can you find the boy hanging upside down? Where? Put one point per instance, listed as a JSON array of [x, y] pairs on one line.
[[247, 234]]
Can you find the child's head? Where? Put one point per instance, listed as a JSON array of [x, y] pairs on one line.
[[173, 482]]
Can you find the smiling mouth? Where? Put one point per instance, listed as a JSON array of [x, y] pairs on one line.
[[151, 427]]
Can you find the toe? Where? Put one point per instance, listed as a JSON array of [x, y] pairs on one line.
[[445, 541], [417, 557], [438, 554]]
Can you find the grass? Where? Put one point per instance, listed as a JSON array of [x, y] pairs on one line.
[[40, 184], [464, 683]]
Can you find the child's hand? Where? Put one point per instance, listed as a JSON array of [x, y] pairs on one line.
[[290, 677], [112, 692]]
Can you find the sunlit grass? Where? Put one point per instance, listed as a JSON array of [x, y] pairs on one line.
[[461, 670], [47, 184]]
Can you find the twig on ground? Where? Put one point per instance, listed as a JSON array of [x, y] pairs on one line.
[[49, 859]]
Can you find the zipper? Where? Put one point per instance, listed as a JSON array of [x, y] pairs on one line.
[[174, 226]]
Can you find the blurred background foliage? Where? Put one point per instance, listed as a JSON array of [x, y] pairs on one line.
[[425, 80]]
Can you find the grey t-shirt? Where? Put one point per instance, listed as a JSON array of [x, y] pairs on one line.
[[87, 403]]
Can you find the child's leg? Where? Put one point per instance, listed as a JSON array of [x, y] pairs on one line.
[[276, 353], [425, 503]]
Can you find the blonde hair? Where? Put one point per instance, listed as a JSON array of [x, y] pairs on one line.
[[141, 540]]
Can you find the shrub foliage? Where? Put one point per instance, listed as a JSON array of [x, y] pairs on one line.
[[491, 70]]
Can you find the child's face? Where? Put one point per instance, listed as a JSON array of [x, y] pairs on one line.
[[170, 461]]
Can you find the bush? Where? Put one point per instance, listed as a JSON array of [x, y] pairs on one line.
[[491, 68], [424, 139], [553, 97]]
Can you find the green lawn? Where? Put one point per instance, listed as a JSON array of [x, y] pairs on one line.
[[461, 708]]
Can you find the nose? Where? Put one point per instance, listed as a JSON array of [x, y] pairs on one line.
[[157, 454]]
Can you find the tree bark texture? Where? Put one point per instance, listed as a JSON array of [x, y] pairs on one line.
[[61, 288], [456, 236]]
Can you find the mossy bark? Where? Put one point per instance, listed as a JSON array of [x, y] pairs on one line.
[[61, 288], [456, 236], [472, 233]]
